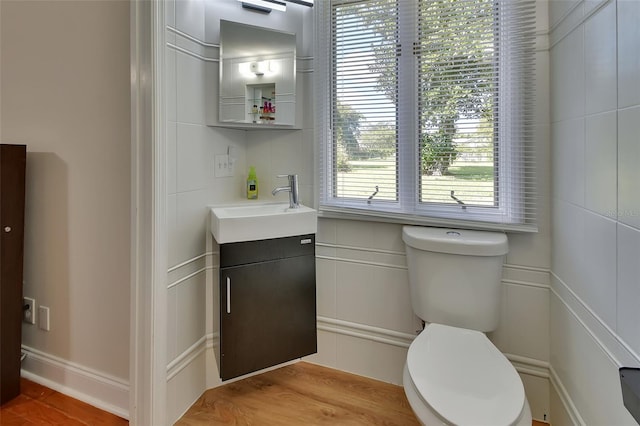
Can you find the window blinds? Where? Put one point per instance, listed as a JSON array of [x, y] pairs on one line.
[[425, 110], [364, 114]]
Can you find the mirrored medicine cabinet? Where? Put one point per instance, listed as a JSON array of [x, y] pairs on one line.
[[257, 76]]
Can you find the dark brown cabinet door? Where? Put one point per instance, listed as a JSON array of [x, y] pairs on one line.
[[267, 314], [12, 185]]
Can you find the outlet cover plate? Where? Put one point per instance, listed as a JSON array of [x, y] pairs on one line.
[[43, 318], [29, 313]]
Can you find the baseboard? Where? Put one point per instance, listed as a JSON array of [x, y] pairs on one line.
[[567, 403], [85, 384]]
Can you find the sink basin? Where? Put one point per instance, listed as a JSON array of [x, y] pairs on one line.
[[251, 221]]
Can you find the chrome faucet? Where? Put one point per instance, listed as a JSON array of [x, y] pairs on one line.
[[292, 188]]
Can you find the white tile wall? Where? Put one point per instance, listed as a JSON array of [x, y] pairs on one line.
[[601, 163], [567, 86], [568, 241], [568, 160], [358, 288], [171, 84], [628, 170], [170, 12], [194, 158], [596, 280], [348, 288], [589, 375], [191, 220], [628, 53], [172, 323], [628, 285], [189, 16], [190, 89], [371, 359], [191, 85], [184, 388], [600, 60], [537, 391], [526, 321], [374, 295], [596, 243], [326, 278], [190, 311], [558, 9], [327, 344], [172, 154]]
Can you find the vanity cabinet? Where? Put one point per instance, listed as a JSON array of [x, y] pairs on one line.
[[267, 302]]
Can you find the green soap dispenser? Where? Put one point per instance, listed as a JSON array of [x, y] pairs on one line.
[[252, 184]]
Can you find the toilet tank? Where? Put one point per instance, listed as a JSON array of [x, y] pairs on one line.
[[455, 275]]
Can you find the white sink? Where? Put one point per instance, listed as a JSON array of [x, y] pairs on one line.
[[253, 221]]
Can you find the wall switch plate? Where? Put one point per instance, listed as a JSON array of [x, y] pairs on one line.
[[43, 318], [223, 167], [28, 310]]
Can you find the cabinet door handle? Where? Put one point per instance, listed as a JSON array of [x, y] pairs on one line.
[[228, 295]]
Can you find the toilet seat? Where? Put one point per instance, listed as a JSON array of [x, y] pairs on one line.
[[464, 378]]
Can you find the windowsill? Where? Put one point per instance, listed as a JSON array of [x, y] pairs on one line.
[[377, 216]]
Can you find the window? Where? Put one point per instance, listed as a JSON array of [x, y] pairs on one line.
[[425, 110]]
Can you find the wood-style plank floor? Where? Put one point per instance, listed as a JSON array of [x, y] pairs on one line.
[[302, 394], [298, 394], [39, 405]]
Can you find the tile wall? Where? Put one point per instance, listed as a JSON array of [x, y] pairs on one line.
[[191, 90], [365, 318], [595, 102]]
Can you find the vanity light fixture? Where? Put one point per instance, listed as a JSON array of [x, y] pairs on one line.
[[264, 6], [259, 68], [302, 2]]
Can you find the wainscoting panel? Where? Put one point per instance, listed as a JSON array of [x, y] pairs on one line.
[[366, 322], [586, 357]]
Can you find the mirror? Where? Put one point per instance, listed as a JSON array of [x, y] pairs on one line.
[[257, 76]]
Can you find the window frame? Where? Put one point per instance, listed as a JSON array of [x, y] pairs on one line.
[[408, 208]]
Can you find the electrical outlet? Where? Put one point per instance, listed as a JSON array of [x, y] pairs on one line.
[[43, 318], [28, 310], [223, 167]]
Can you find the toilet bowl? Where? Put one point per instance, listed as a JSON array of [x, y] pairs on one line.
[[456, 376]]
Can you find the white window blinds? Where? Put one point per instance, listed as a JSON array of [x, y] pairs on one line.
[[425, 110]]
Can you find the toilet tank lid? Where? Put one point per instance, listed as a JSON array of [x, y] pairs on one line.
[[456, 241]]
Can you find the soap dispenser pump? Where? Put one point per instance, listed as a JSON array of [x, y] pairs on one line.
[[252, 184]]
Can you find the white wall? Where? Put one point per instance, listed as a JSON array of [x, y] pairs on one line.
[[365, 318], [595, 93], [191, 78], [65, 94]]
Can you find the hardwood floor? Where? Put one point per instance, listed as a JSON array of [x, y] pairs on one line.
[[39, 405], [302, 394], [298, 394]]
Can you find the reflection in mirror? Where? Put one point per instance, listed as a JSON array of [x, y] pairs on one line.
[[257, 75]]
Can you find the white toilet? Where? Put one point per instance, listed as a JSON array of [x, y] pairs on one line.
[[454, 375]]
